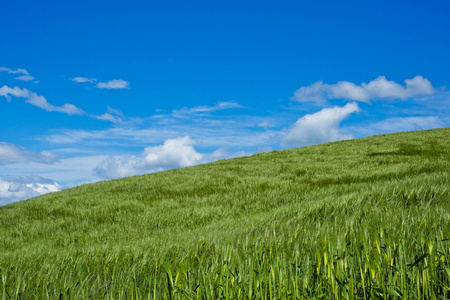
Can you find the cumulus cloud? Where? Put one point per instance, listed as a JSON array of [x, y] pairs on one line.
[[320, 127], [113, 84], [38, 100], [377, 89], [83, 79], [24, 77], [10, 153], [16, 188], [174, 153]]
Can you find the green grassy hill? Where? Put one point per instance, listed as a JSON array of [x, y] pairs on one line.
[[367, 218]]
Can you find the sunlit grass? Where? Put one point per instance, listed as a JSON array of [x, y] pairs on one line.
[[361, 219]]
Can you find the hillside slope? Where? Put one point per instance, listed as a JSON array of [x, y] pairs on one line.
[[361, 217]]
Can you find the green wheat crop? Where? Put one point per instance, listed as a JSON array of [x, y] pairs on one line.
[[359, 219]]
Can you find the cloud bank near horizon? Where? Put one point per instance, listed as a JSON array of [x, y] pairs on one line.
[[16, 188]]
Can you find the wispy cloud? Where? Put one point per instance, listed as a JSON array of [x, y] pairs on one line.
[[113, 84], [83, 79], [320, 127], [41, 102], [10, 153], [184, 112], [24, 77], [7, 92], [207, 133], [109, 117], [112, 115], [107, 137], [38, 100], [219, 106], [377, 89], [11, 71]]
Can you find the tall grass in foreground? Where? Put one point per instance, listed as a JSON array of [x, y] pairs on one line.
[[370, 264], [366, 219]]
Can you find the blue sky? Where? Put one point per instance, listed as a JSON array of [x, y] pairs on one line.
[[94, 90]]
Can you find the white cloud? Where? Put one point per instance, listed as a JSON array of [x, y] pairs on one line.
[[25, 75], [174, 153], [83, 79], [320, 127], [379, 88], [113, 84], [39, 101], [10, 153], [16, 188]]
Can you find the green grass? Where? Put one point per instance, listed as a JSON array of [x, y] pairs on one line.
[[359, 219]]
